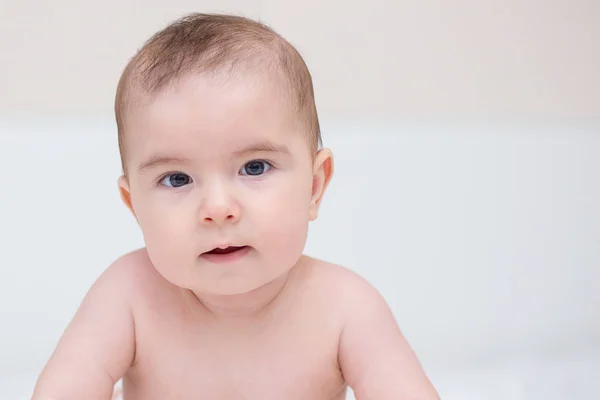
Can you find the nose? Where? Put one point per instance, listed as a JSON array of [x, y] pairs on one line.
[[218, 206]]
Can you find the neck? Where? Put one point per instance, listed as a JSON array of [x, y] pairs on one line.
[[250, 304]]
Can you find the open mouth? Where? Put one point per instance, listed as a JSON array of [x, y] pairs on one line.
[[227, 250], [226, 255]]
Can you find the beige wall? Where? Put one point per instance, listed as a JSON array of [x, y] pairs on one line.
[[464, 58]]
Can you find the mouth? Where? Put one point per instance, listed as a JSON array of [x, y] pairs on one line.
[[227, 250], [227, 254]]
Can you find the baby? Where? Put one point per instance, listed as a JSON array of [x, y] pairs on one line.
[[224, 170]]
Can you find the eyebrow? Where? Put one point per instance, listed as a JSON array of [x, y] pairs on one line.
[[262, 147], [157, 160]]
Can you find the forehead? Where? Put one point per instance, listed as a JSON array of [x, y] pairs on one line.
[[211, 114]]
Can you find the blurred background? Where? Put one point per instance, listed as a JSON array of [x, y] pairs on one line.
[[381, 58], [467, 142]]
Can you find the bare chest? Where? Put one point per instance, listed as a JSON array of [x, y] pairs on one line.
[[294, 358]]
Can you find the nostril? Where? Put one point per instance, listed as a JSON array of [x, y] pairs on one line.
[[229, 217]]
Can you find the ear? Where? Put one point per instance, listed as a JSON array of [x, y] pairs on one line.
[[125, 193], [322, 173]]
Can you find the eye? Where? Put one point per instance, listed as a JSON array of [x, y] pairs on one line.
[[176, 180], [256, 167]]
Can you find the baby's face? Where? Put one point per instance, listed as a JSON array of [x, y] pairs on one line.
[[213, 166]]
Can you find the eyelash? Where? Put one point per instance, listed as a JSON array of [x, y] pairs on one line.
[[163, 176]]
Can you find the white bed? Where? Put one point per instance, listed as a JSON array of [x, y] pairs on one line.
[[574, 376]]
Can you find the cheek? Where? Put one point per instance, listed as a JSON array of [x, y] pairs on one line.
[[160, 224], [285, 217], [162, 228], [163, 215]]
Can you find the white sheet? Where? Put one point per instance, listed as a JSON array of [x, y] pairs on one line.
[[575, 376]]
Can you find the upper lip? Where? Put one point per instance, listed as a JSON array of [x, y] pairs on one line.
[[224, 246]]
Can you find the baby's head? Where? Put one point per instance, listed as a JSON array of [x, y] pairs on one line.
[[220, 146]]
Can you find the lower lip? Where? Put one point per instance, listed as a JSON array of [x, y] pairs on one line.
[[226, 258]]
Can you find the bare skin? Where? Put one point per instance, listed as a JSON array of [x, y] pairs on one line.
[[307, 338], [215, 167]]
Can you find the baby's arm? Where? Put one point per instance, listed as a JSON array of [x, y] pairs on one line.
[[376, 360], [98, 345]]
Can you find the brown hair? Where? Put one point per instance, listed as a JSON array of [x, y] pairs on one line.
[[206, 43]]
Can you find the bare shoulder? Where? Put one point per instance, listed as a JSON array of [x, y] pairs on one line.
[[374, 357], [345, 287], [98, 345], [129, 269], [345, 294], [132, 275]]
